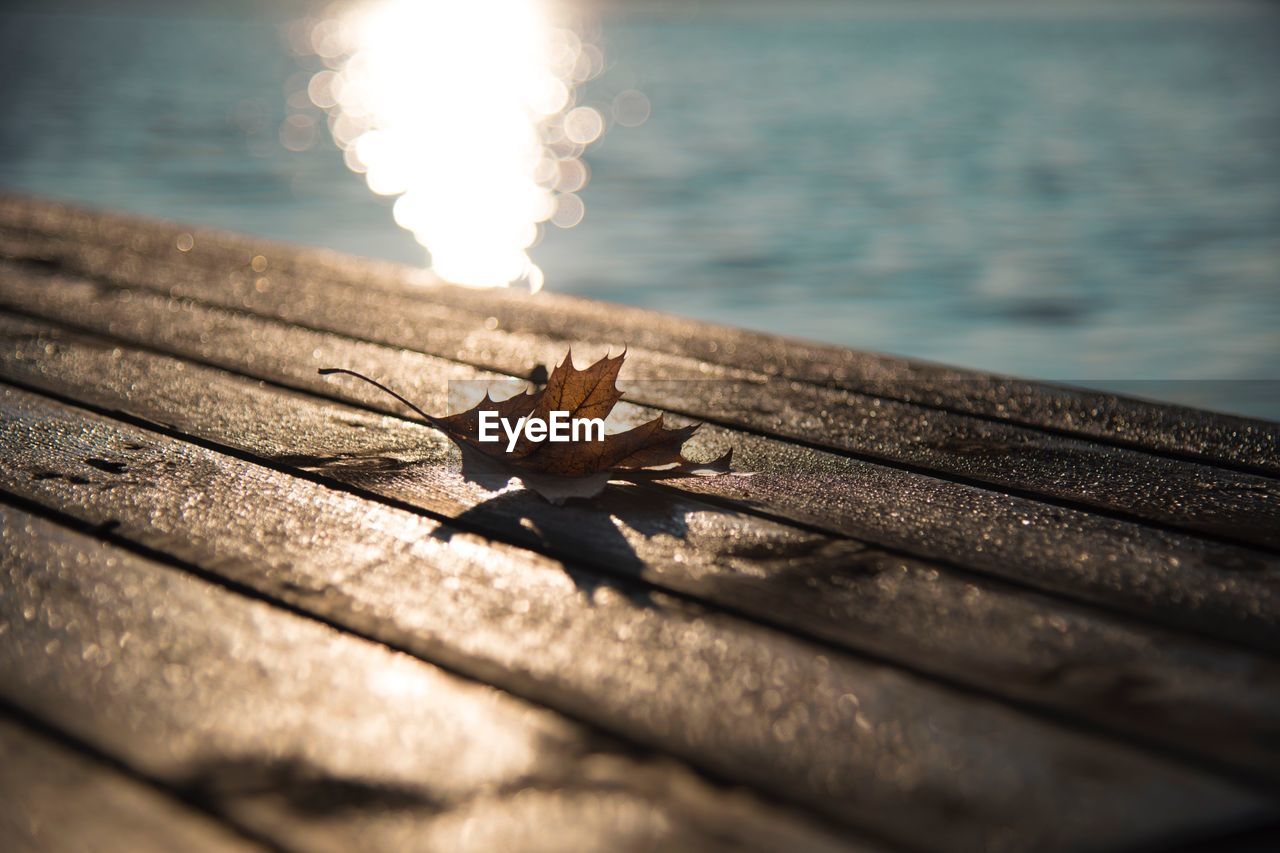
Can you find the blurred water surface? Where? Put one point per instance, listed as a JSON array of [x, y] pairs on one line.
[[1083, 194]]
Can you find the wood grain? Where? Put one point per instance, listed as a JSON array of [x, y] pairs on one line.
[[1201, 498], [1191, 696], [1246, 443], [864, 744], [1215, 588], [318, 740], [946, 610]]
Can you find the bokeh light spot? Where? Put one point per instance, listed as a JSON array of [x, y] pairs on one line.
[[631, 108], [583, 125]]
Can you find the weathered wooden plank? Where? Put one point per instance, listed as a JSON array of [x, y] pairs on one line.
[[319, 740], [1215, 588], [862, 743], [1234, 505], [56, 800], [1246, 443], [1196, 697]]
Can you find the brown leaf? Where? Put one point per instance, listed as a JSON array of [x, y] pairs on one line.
[[573, 468], [468, 423]]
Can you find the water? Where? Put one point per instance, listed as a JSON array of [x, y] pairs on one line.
[[1076, 194]]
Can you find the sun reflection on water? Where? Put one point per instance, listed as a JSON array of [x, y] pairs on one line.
[[466, 110]]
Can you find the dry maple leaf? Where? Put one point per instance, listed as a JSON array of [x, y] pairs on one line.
[[575, 468]]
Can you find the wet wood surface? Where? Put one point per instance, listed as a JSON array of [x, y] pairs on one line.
[[946, 611]]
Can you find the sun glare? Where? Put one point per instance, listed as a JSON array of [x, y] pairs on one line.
[[465, 110]]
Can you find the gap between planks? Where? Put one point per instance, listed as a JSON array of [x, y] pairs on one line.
[[74, 368], [1122, 484], [278, 353], [947, 645], [1229, 440], [284, 721], [227, 536], [62, 794], [90, 379]]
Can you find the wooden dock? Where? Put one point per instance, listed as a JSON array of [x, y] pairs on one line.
[[244, 606]]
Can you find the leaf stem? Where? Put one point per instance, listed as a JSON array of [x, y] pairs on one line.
[[326, 371]]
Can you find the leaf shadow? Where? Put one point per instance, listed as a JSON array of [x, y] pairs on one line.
[[311, 791], [612, 530], [303, 788]]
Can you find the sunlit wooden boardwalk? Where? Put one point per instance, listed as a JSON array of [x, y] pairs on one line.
[[244, 606]]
